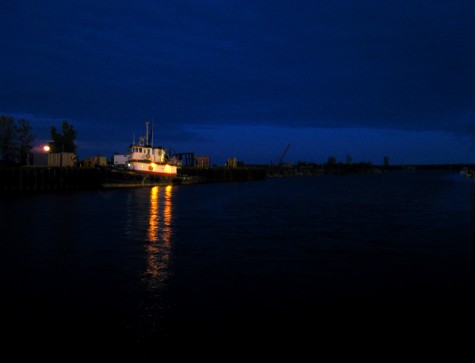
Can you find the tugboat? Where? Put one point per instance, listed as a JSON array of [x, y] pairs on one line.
[[469, 173], [146, 158]]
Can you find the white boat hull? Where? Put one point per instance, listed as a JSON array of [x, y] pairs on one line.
[[153, 168]]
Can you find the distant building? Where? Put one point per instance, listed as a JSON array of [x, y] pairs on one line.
[[40, 159], [119, 160], [232, 163], [95, 161], [202, 161], [100, 160], [62, 159], [187, 159]]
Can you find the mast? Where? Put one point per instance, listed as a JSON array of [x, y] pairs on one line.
[[146, 133]]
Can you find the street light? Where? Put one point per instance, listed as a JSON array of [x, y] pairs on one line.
[[46, 148]]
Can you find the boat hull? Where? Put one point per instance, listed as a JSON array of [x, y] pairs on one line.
[[153, 168]]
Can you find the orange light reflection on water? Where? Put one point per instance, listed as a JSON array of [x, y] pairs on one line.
[[159, 236]]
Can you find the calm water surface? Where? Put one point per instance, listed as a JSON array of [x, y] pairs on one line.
[[161, 263]]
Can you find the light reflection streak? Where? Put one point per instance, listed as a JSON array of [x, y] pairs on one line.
[[159, 236]]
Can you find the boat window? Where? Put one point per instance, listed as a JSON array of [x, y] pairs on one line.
[[140, 150]]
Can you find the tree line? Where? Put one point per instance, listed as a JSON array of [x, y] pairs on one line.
[[17, 138]]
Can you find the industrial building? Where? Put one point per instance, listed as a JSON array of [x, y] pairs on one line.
[[62, 159]]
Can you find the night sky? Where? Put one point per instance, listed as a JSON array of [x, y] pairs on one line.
[[244, 79]]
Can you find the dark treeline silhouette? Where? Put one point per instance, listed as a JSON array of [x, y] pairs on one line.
[[63, 140], [16, 140]]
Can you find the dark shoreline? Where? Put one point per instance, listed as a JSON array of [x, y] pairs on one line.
[[56, 179], [311, 169]]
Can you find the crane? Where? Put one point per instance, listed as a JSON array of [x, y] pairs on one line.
[[281, 159]]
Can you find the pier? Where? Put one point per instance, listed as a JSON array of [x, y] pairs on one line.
[[56, 179], [42, 179], [222, 174]]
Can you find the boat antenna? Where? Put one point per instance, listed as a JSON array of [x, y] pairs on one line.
[[152, 130], [146, 133], [133, 139]]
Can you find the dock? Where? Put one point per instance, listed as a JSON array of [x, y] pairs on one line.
[[57, 179]]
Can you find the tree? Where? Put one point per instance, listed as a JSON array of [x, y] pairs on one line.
[[63, 141], [7, 138], [24, 139], [15, 139], [331, 161]]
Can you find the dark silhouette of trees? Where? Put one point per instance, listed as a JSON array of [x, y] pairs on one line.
[[63, 140], [25, 139], [15, 139], [331, 161], [7, 138]]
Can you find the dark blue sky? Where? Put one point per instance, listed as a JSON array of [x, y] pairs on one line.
[[246, 78]]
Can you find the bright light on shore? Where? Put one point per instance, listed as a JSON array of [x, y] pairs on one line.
[[46, 148]]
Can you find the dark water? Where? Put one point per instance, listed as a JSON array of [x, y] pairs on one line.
[[144, 266]]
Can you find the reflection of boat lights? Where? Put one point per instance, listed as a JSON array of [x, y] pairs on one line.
[[159, 235], [167, 214], [153, 217]]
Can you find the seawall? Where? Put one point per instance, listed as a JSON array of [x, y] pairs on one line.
[[221, 174], [37, 179], [52, 179]]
